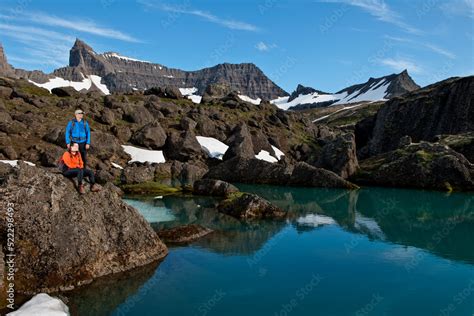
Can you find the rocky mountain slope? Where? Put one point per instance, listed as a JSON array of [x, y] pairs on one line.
[[375, 89], [116, 73]]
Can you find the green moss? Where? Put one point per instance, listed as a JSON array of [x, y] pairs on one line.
[[149, 188], [34, 90]]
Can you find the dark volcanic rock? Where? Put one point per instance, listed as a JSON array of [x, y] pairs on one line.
[[216, 91], [462, 143], [249, 206], [306, 175], [340, 156], [183, 146], [64, 92], [443, 108], [152, 136], [5, 68], [165, 92], [421, 165], [262, 172], [240, 143], [64, 239], [183, 234], [213, 187]]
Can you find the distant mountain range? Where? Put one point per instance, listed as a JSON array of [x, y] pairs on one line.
[[111, 72], [375, 89]]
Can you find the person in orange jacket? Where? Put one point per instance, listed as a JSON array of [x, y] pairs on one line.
[[74, 167]]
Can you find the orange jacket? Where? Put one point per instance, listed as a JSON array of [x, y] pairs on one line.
[[73, 161]]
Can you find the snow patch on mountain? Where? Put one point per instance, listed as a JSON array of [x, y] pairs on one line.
[[377, 92], [115, 55], [212, 146], [190, 94], [85, 84], [144, 155], [315, 97], [249, 99]]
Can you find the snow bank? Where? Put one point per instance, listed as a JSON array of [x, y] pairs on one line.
[[377, 92], [86, 83], [14, 163], [42, 305], [249, 99], [282, 102], [115, 55], [144, 155], [278, 152], [265, 155], [190, 94], [315, 220], [213, 147], [117, 166]]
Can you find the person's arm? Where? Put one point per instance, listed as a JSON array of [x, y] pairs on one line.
[[81, 163], [88, 131], [68, 128]]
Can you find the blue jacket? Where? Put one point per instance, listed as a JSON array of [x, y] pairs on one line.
[[79, 132]]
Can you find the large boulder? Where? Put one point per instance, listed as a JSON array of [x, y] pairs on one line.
[[339, 155], [64, 239], [183, 146], [306, 175], [137, 173], [213, 187], [258, 171], [420, 165], [215, 91], [249, 206], [151, 136], [240, 143], [165, 92]]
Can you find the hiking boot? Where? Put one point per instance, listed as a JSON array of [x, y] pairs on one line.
[[95, 188], [81, 189]]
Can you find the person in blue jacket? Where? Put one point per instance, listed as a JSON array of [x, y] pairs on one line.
[[78, 131]]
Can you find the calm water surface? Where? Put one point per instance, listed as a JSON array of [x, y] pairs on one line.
[[375, 251]]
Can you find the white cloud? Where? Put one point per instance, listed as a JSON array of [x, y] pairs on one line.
[[76, 24], [380, 10], [459, 7], [263, 47], [429, 46], [183, 9], [400, 64], [47, 47]]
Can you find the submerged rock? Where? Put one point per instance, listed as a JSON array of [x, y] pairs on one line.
[[64, 239], [213, 187], [183, 234], [249, 206]]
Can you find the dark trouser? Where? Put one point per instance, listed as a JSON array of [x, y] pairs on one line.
[[80, 174], [83, 151]]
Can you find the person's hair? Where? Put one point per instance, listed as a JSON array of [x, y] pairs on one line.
[[70, 147]]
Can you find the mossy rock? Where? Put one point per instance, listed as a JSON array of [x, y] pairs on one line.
[[150, 188]]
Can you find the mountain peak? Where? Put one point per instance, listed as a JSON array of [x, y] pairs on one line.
[[80, 44], [5, 68]]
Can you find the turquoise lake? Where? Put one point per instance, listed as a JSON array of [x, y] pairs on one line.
[[374, 251]]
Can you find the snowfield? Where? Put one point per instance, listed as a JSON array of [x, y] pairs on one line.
[[212, 146], [14, 163], [190, 94], [86, 83], [144, 155], [249, 99], [42, 305], [377, 92], [115, 55]]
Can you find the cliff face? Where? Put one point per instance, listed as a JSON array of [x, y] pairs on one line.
[[122, 74], [442, 108], [5, 68]]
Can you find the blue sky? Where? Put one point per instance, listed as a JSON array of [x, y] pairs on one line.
[[327, 44]]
